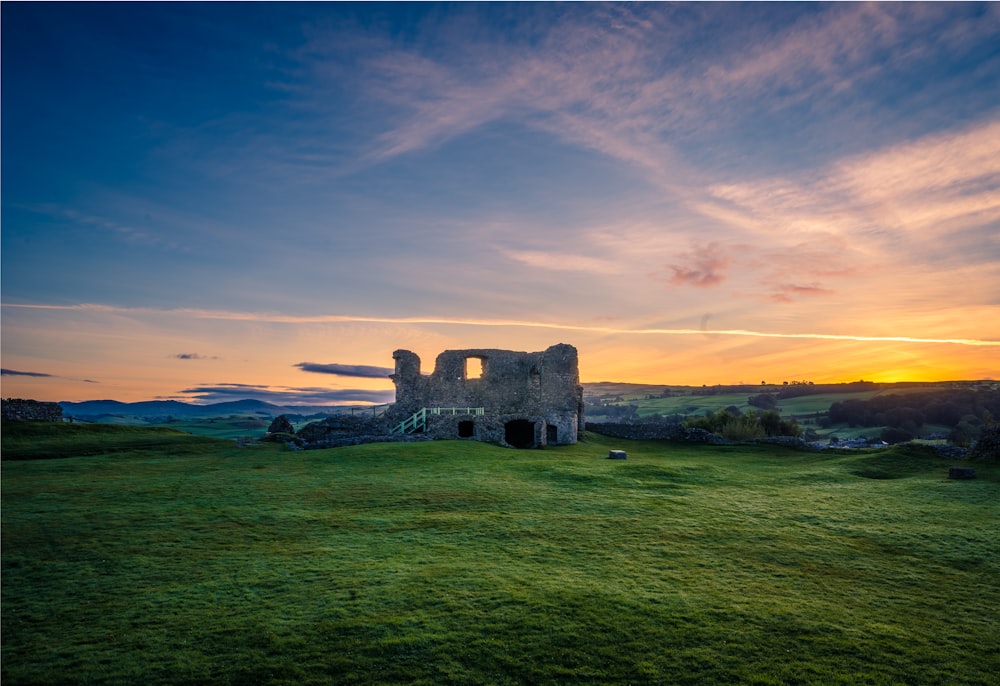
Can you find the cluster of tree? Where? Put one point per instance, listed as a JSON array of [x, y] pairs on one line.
[[737, 426], [765, 401], [621, 412], [965, 412], [798, 389], [726, 390], [790, 389]]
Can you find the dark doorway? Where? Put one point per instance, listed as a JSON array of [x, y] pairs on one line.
[[519, 433], [551, 434], [466, 429]]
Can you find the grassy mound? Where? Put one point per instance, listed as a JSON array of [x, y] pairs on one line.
[[457, 562]]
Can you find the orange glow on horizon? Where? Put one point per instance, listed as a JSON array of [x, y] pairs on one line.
[[131, 354]]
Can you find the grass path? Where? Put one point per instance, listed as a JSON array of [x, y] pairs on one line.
[[456, 562]]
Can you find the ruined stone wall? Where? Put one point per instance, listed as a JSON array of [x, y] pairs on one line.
[[678, 432], [639, 432], [17, 409], [541, 388]]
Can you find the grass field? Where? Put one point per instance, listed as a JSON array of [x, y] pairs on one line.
[[222, 427], [172, 559], [213, 427], [688, 402], [229, 427], [696, 404]]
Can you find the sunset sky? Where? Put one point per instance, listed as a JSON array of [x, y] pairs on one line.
[[209, 202]]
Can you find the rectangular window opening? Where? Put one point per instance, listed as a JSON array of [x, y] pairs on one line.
[[473, 367]]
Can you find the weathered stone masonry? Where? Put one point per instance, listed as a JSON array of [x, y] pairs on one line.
[[529, 399], [18, 409]]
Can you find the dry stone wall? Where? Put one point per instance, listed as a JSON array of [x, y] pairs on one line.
[[652, 431], [678, 432], [18, 409]]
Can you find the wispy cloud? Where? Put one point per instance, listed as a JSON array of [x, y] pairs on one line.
[[630, 82], [916, 192], [130, 233], [556, 260], [902, 221], [41, 375], [194, 356], [285, 395], [511, 323], [13, 372], [787, 292], [353, 370]]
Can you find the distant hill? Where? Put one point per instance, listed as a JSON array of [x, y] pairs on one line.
[[596, 394]]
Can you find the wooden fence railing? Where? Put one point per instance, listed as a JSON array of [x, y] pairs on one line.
[[418, 421]]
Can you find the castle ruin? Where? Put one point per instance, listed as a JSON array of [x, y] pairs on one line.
[[518, 399]]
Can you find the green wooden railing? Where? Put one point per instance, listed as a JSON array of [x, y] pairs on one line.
[[418, 421]]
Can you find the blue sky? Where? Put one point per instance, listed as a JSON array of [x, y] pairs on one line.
[[226, 196]]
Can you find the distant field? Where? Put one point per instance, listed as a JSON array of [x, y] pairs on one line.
[[213, 427], [184, 560], [222, 427], [689, 401], [694, 403]]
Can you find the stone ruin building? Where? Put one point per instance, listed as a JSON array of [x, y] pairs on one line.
[[518, 399], [515, 399]]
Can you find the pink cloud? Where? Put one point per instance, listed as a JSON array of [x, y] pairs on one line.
[[789, 292], [702, 267]]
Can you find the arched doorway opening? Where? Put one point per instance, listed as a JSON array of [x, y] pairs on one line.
[[466, 429], [519, 433]]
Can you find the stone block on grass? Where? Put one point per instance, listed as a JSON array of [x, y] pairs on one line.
[[961, 473]]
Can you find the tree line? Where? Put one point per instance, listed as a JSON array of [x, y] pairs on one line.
[[964, 412], [738, 426]]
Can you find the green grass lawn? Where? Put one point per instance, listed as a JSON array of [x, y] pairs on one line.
[[185, 560]]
